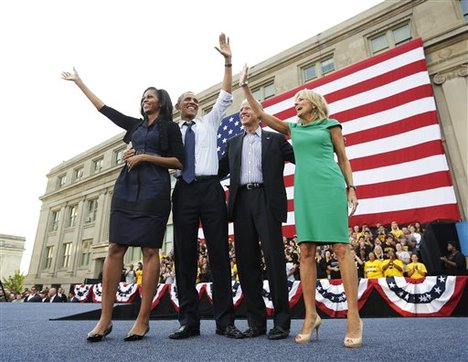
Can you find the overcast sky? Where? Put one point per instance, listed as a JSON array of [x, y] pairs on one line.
[[119, 48]]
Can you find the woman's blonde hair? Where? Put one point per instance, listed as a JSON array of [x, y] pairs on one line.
[[317, 100]]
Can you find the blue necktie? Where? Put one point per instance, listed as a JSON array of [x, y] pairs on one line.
[[188, 174]]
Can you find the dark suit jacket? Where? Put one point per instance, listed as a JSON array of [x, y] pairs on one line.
[[34, 299], [275, 151]]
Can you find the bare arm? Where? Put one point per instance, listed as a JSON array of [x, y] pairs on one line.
[[74, 77], [225, 50], [134, 160], [270, 120], [345, 165]]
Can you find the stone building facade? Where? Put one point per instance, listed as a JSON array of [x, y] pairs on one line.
[[11, 252], [72, 234]]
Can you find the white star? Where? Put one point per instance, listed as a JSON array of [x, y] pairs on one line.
[[218, 148], [392, 285], [438, 290], [219, 135], [230, 131], [231, 119], [224, 140], [236, 123], [407, 296], [224, 128], [441, 278]]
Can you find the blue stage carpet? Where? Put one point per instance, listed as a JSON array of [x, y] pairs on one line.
[[27, 333]]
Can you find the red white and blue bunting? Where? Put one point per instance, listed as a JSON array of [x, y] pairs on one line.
[[430, 296]]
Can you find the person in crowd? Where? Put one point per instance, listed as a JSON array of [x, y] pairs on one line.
[[379, 254], [140, 204], [257, 205], [291, 268], [415, 237], [321, 264], [392, 267], [455, 262], [395, 229], [333, 267], [130, 276], [388, 244], [33, 296], [199, 196], [403, 255], [139, 273], [53, 297], [373, 267], [415, 269], [323, 188], [359, 264], [62, 294]]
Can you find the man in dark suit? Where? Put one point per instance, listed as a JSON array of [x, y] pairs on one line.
[[257, 205], [53, 297], [34, 296], [198, 196]]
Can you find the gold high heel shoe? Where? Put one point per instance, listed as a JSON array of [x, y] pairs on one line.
[[354, 342], [303, 338]]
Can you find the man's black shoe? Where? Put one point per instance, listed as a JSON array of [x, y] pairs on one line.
[[253, 332], [278, 333], [230, 332], [185, 332]]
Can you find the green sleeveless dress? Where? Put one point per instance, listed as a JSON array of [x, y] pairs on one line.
[[320, 201]]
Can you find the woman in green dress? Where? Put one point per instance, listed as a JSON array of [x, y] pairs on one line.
[[323, 190]]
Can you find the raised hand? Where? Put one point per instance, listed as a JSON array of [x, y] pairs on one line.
[[244, 76], [224, 47], [72, 76]]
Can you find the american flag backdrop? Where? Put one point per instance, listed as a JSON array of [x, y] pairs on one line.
[[393, 140]]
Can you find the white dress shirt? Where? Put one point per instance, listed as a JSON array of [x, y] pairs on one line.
[[206, 131]]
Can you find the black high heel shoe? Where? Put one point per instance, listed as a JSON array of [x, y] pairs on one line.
[[96, 337], [136, 337]]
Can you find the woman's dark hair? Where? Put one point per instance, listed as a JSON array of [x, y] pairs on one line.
[[165, 104], [165, 116]]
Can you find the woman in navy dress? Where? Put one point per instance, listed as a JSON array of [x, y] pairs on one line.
[[141, 199]]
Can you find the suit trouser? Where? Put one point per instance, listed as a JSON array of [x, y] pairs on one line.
[[253, 221], [203, 201]]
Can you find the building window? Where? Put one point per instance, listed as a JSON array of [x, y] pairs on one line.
[[92, 210], [66, 255], [207, 110], [264, 92], [98, 165], [61, 181], [78, 173], [464, 8], [390, 38], [73, 215], [317, 69], [85, 252], [54, 221], [118, 156], [327, 65], [48, 258]]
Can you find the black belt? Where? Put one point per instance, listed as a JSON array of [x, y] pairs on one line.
[[201, 178], [252, 186]]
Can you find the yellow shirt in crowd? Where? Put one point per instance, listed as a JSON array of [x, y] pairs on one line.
[[373, 269], [392, 271], [416, 274]]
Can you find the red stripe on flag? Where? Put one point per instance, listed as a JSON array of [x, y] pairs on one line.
[[414, 44], [392, 129], [423, 215], [384, 104], [407, 154], [378, 81], [404, 186]]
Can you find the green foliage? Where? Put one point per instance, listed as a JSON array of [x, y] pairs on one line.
[[14, 283]]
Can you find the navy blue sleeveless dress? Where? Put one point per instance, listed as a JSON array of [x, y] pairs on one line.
[[141, 200]]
